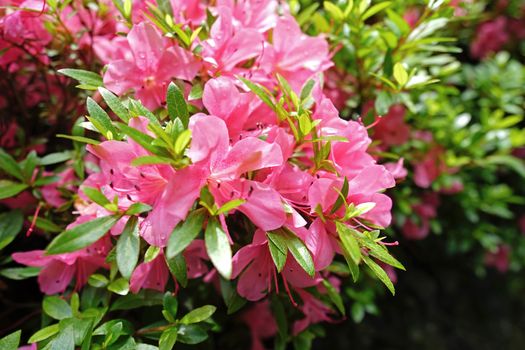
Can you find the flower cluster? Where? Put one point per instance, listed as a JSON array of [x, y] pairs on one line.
[[222, 159]]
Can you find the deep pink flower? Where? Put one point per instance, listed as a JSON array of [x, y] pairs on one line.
[[150, 275], [254, 266], [392, 129], [221, 166], [228, 46], [429, 169], [261, 323], [314, 310], [58, 270], [490, 37], [499, 259], [153, 66], [295, 55]]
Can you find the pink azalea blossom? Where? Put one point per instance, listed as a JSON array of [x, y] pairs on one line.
[[392, 129], [499, 259], [152, 68], [261, 323], [58, 270], [150, 275], [314, 310], [490, 37]]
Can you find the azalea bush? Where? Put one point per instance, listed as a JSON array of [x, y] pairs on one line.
[[235, 174]]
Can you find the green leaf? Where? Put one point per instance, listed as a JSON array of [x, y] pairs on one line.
[[44, 333], [65, 340], [306, 91], [20, 273], [350, 244], [185, 233], [45, 224], [177, 266], [380, 252], [128, 246], [375, 9], [218, 248], [10, 188], [509, 161], [196, 92], [119, 286], [170, 304], [177, 107], [334, 11], [341, 199], [234, 203], [114, 103], [11, 341], [400, 74], [95, 195], [81, 139], [383, 102], [234, 302], [83, 76], [300, 253], [380, 273], [183, 140], [265, 96], [56, 307], [28, 165], [10, 225], [278, 249], [81, 235], [101, 120], [138, 208], [168, 338], [55, 158], [10, 166], [97, 280], [198, 315], [334, 295], [142, 139], [151, 253], [191, 334]]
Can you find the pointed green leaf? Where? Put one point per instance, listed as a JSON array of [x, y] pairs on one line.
[[218, 248], [101, 120], [177, 266], [10, 166], [198, 315], [10, 225], [10, 188], [380, 273], [350, 244], [114, 103], [128, 246], [301, 253], [11, 341], [81, 235], [177, 107], [56, 307], [185, 233], [83, 76], [168, 338]]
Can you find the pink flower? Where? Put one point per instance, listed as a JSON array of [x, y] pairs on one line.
[[490, 37], [261, 323], [424, 211], [58, 270], [397, 169], [150, 275], [254, 266], [257, 14], [392, 129], [152, 68], [220, 167], [314, 310], [295, 55], [499, 259], [8, 132], [429, 169], [51, 192]]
